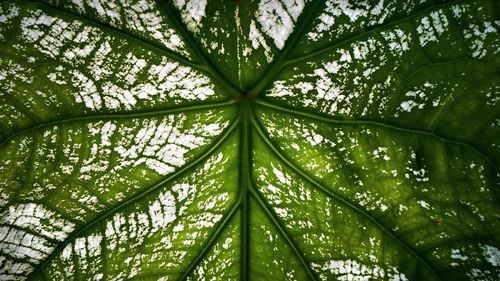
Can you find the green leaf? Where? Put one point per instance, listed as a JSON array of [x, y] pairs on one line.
[[249, 140]]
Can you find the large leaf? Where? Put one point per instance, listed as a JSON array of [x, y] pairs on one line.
[[261, 140]]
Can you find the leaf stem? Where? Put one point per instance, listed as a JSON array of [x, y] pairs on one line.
[[371, 30], [277, 65], [245, 165], [272, 216], [111, 29], [114, 116], [211, 241], [321, 118], [203, 60]]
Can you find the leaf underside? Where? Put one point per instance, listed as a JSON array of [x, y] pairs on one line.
[[249, 140]]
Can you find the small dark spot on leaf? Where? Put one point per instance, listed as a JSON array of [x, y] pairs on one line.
[[419, 159]]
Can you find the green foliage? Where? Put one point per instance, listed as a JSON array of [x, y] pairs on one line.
[[249, 140]]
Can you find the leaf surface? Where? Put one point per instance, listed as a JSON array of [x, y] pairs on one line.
[[252, 140]]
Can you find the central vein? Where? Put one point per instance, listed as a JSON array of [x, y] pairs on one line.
[[244, 181]]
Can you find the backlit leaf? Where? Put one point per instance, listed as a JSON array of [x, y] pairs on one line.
[[249, 140]]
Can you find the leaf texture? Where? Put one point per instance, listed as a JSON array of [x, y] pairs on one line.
[[249, 140]]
